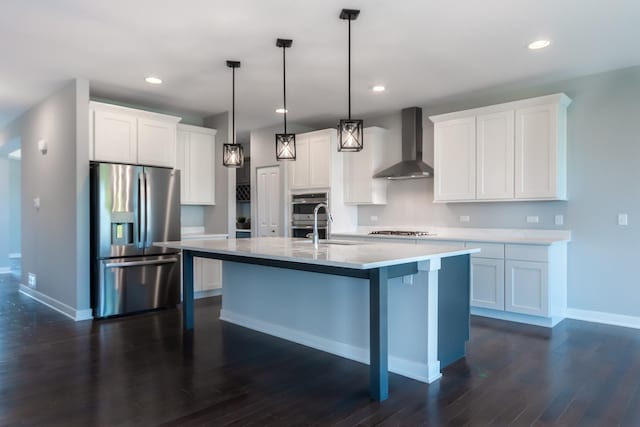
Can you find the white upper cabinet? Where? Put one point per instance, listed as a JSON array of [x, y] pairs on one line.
[[518, 151], [115, 137], [195, 157], [126, 135], [156, 142], [360, 188], [494, 156], [540, 152], [299, 169], [312, 167], [455, 159]]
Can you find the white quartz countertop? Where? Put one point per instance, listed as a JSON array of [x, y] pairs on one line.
[[336, 253], [204, 236], [515, 236], [198, 233]]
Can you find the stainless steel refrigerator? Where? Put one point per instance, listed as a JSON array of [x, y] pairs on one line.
[[132, 207]]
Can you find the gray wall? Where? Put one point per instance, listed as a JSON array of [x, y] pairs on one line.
[[55, 238], [603, 172], [221, 217]]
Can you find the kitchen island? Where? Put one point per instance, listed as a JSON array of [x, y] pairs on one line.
[[413, 300]]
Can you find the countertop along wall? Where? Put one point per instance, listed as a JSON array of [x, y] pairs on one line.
[[603, 154]]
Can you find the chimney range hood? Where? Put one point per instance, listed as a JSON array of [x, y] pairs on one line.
[[411, 165]]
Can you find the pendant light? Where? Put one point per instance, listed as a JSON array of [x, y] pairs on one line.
[[232, 154], [350, 131], [285, 142]]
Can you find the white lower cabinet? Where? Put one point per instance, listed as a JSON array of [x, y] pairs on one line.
[[510, 280], [487, 283], [527, 288], [207, 274]]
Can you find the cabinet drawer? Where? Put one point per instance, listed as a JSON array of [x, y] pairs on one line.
[[487, 250], [537, 253]]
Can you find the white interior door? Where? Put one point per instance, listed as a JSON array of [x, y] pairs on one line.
[[268, 193]]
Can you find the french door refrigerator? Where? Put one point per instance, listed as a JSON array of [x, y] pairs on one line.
[[132, 207]]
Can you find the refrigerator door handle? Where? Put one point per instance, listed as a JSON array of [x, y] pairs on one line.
[[142, 210], [139, 263], [147, 204]]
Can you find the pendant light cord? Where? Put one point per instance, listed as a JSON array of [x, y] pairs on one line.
[[284, 87], [349, 72]]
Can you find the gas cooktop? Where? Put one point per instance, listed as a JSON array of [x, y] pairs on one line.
[[402, 233]]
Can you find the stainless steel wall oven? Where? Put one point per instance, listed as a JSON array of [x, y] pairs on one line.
[[302, 206]]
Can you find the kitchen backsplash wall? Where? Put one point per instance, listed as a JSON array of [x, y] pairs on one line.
[[603, 152]]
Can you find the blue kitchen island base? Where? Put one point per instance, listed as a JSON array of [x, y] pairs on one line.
[[387, 322], [345, 298]]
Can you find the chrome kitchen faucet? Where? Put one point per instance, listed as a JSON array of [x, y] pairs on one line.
[[316, 238]]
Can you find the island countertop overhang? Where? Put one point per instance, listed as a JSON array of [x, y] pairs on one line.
[[344, 254]]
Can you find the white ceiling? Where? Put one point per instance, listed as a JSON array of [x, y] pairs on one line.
[[421, 50]]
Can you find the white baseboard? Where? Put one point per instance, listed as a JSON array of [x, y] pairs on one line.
[[58, 306], [407, 368], [207, 294], [606, 318], [547, 322]]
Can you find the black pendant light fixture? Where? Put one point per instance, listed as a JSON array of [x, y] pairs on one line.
[[232, 154], [350, 131], [285, 142]]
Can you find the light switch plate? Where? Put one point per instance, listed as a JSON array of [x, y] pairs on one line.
[[559, 220], [32, 280], [623, 219]]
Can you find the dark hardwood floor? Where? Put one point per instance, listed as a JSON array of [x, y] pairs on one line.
[[144, 371]]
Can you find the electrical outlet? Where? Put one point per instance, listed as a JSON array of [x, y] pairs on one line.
[[623, 219], [465, 218], [373, 218], [533, 219], [32, 280], [559, 219]]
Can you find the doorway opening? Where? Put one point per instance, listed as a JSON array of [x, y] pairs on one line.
[[10, 208]]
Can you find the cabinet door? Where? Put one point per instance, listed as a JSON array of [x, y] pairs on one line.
[[201, 168], [212, 274], [360, 188], [156, 143], [495, 155], [455, 159], [526, 289], [300, 167], [487, 283], [536, 152], [319, 161], [114, 137], [268, 192], [182, 148]]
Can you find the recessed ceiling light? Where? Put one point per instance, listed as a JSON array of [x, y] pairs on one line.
[[153, 80], [378, 88], [539, 44], [281, 110]]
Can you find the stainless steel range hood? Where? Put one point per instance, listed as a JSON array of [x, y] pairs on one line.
[[411, 165]]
